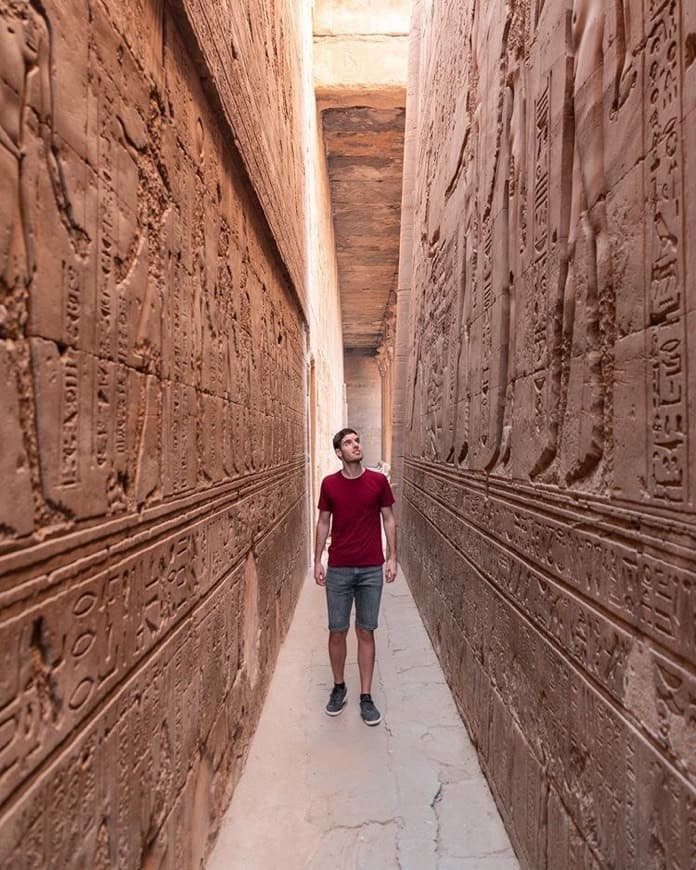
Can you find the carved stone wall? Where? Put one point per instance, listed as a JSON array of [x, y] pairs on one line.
[[152, 383], [250, 55], [546, 414]]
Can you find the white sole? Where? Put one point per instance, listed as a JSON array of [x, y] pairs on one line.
[[372, 724]]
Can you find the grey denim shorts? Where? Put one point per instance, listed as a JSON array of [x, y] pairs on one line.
[[362, 584]]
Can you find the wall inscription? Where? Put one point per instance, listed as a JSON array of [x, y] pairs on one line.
[[549, 480], [153, 442]]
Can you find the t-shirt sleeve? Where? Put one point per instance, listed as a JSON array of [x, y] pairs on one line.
[[324, 499], [386, 498]]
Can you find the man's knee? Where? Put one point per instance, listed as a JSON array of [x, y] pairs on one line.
[[338, 635], [365, 634]]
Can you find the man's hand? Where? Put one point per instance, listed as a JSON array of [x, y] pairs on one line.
[[390, 569], [319, 575]]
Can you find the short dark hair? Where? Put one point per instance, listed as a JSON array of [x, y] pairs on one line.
[[340, 435]]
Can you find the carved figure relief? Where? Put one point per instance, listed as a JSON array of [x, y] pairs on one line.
[[152, 390], [514, 135], [554, 558], [26, 85], [26, 57], [580, 351]]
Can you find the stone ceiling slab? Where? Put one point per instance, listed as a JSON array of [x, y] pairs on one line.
[[364, 147]]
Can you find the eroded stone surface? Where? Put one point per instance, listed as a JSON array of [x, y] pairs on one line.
[[251, 54], [363, 396], [153, 505], [544, 411]]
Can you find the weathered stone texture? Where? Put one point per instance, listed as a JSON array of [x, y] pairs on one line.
[[251, 54], [153, 508], [364, 402], [360, 51], [326, 392], [549, 479]]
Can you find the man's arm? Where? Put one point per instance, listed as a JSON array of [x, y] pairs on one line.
[[322, 534], [390, 531]]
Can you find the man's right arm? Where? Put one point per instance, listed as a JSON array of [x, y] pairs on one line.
[[322, 534]]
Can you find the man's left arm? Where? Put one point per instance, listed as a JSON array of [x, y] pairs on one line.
[[390, 531]]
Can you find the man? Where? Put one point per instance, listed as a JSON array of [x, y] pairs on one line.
[[352, 500]]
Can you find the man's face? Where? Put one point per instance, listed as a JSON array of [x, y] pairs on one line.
[[350, 449]]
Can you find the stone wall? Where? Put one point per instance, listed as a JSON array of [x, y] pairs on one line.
[[325, 336], [549, 467], [250, 56], [360, 48], [364, 401], [153, 529], [326, 341]]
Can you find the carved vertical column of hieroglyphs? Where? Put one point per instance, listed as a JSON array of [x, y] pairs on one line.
[[106, 313], [546, 261], [540, 305], [490, 330], [665, 266]]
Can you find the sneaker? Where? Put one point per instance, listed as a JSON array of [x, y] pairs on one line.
[[370, 714], [337, 700]]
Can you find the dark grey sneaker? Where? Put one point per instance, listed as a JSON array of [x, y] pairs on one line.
[[337, 700], [370, 714]]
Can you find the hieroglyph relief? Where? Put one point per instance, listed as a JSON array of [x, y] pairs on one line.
[[548, 492], [252, 51], [541, 106], [665, 264], [153, 443], [527, 185]]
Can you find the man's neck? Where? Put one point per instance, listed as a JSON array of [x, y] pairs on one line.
[[352, 469]]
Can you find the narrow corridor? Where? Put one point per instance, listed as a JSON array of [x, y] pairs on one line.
[[321, 793], [227, 230]]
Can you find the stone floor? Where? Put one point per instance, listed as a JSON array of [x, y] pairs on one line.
[[330, 793]]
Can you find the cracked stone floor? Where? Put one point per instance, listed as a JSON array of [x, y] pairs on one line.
[[330, 793]]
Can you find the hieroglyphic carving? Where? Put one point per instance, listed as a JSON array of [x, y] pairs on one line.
[[558, 170], [26, 54], [479, 184], [647, 593], [643, 589], [543, 414], [588, 227], [257, 67], [668, 429], [152, 363], [114, 618], [514, 228], [589, 749]]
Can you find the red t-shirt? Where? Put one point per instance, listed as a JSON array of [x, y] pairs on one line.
[[356, 530]]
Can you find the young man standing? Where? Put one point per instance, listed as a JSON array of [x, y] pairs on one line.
[[351, 501]]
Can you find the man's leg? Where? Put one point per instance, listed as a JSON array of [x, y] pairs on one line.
[[368, 594], [339, 599], [337, 654], [366, 658]]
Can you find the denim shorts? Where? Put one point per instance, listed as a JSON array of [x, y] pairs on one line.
[[345, 584]]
